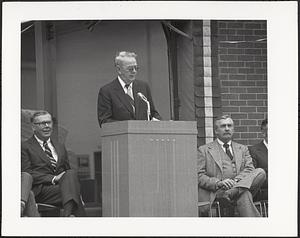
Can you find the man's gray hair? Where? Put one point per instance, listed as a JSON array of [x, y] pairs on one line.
[[39, 113], [223, 117], [124, 54]]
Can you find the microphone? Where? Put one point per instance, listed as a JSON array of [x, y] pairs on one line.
[[142, 96]]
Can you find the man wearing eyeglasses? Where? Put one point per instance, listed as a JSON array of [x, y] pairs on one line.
[[46, 160], [126, 98]]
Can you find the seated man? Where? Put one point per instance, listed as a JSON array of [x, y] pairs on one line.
[[259, 154], [226, 172], [28, 204], [54, 182]]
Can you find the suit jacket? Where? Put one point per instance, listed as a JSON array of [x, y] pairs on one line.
[[113, 103], [259, 154], [35, 161], [210, 168]]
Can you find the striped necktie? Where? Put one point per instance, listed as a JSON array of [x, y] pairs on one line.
[[226, 146], [130, 96], [49, 154]]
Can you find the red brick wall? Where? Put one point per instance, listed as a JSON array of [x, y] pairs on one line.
[[242, 71]]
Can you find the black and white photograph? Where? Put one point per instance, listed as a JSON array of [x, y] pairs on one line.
[[149, 118]]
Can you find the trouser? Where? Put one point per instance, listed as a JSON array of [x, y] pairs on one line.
[[244, 196], [67, 189], [27, 196]]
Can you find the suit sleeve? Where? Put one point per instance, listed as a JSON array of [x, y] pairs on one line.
[[66, 164], [247, 164], [153, 111], [38, 177], [104, 109], [205, 181]]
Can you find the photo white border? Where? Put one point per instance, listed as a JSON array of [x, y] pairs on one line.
[[282, 113]]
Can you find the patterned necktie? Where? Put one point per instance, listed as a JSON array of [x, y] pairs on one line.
[[49, 154], [226, 146], [130, 96]]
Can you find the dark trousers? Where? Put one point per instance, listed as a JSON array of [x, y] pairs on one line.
[[67, 190], [27, 196]]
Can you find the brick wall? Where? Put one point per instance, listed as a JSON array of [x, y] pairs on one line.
[[242, 73]]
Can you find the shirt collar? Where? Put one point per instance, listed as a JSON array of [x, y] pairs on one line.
[[222, 143], [40, 141], [122, 82], [266, 143]]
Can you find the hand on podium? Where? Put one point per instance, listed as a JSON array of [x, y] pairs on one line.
[[154, 119]]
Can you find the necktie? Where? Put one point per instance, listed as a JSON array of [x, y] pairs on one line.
[[130, 96], [226, 146], [49, 154]]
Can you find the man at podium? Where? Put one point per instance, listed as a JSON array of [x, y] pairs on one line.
[[126, 98]]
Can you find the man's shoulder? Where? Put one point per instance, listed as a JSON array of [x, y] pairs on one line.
[[239, 145], [207, 146], [27, 142], [109, 85], [256, 146]]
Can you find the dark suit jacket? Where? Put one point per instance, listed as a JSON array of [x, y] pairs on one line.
[[210, 169], [259, 154], [35, 161], [113, 103]]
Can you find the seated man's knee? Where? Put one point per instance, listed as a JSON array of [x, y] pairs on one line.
[[26, 177], [261, 173]]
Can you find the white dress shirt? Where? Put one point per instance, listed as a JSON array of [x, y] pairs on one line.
[[51, 147], [126, 90], [222, 143], [266, 143]]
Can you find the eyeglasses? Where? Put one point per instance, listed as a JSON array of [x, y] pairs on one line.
[[43, 123], [132, 68]]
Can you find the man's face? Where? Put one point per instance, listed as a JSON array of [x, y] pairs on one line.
[[43, 126], [264, 132], [224, 129], [127, 69]]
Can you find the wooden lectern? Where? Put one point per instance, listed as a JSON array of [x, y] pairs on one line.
[[149, 169]]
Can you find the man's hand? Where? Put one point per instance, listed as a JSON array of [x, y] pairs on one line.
[[226, 183], [58, 177], [154, 119]]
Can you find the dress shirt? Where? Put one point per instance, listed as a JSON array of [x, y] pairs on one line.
[[123, 86], [266, 143], [54, 154], [222, 143]]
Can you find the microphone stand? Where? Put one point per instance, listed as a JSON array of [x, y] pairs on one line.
[[148, 110]]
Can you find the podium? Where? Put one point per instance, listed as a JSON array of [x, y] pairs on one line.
[[149, 169]]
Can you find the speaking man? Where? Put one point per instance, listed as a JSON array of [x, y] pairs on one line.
[[226, 172], [126, 98]]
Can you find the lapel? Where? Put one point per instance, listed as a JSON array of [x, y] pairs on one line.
[[214, 150], [122, 96], [237, 154], [262, 149], [58, 152], [137, 99], [38, 149]]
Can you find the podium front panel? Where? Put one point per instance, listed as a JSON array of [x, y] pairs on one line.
[[150, 174]]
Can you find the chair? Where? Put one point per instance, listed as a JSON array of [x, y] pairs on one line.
[[214, 209], [47, 210]]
